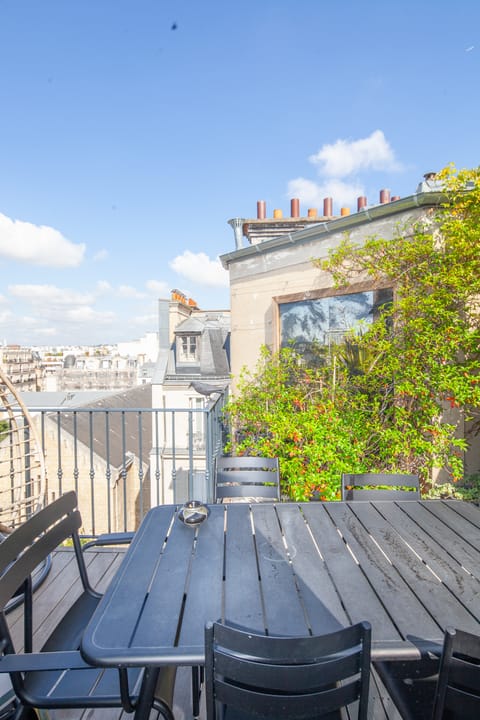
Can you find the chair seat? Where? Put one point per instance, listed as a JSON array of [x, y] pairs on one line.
[[67, 635], [99, 684], [58, 689]]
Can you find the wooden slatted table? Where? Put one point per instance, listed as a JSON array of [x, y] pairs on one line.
[[410, 568]]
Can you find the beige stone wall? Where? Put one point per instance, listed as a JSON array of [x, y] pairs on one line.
[[76, 466], [259, 282]]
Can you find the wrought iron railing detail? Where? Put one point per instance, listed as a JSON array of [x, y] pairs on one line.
[[122, 461]]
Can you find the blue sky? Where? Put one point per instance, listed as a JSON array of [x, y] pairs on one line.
[[132, 130]]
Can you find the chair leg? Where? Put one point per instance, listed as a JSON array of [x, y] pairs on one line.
[[24, 713], [147, 693], [196, 683], [164, 691]]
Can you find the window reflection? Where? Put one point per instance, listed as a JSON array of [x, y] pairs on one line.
[[326, 320]]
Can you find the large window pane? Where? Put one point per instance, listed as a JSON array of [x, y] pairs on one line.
[[326, 320]]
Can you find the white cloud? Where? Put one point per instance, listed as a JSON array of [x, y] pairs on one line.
[[150, 320], [60, 306], [51, 313], [29, 321], [312, 193], [37, 244], [100, 256], [5, 316], [158, 288], [86, 314], [199, 268], [338, 164], [346, 157], [45, 332], [126, 291], [103, 286], [50, 295]]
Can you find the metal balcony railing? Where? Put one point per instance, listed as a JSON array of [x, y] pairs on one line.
[[121, 462]]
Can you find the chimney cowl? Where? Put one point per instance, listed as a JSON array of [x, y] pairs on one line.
[[237, 225], [429, 183]]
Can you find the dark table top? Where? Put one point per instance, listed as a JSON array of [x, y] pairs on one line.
[[410, 568]]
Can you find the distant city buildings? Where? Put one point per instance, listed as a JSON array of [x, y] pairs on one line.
[[22, 366], [126, 426], [73, 368]]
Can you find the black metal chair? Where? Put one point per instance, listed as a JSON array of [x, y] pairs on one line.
[[57, 676], [367, 486], [247, 477], [250, 676], [457, 695], [411, 684]]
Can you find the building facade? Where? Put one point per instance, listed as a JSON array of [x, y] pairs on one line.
[[193, 369], [278, 296], [273, 281], [22, 366]]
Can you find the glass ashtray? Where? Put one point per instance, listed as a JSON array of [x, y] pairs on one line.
[[193, 513]]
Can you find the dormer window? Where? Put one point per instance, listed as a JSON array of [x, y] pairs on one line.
[[187, 347]]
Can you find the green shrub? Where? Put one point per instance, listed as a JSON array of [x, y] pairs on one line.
[[376, 403]]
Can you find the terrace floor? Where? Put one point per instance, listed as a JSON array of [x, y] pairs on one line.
[[62, 587]]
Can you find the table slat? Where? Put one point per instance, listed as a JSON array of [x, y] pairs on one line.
[[319, 596], [283, 607], [242, 596]]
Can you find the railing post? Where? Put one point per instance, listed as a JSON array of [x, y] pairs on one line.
[[209, 444], [108, 472], [92, 473], [190, 454]]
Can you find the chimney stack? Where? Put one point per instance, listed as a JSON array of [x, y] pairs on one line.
[[295, 208], [361, 202], [327, 207]]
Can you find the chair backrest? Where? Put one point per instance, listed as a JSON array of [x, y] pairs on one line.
[[57, 676], [365, 486], [458, 689], [287, 677], [243, 477], [27, 547]]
